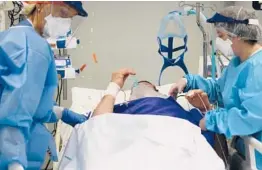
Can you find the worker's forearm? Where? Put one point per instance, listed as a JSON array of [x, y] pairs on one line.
[[106, 105]]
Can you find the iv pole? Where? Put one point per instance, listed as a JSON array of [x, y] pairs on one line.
[[198, 8], [205, 69]]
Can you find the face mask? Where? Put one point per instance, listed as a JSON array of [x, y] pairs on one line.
[[224, 46], [142, 91], [56, 27]]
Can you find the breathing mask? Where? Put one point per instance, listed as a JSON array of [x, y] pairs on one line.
[[141, 91], [56, 27]]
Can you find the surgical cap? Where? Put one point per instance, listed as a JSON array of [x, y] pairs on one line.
[[27, 8], [246, 31]]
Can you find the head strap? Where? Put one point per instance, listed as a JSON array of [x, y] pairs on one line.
[[167, 51]]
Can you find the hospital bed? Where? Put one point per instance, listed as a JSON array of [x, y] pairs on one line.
[[84, 100]]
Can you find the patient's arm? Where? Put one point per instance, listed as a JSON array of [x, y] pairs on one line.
[[106, 105]]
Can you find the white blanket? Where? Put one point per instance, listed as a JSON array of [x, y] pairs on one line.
[[140, 142]]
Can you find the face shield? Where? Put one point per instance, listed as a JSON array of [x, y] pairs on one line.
[[237, 22], [142, 90], [58, 20], [53, 19]]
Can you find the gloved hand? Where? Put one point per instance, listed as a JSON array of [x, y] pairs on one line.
[[178, 87], [199, 99], [72, 118]]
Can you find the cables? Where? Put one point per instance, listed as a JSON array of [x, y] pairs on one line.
[[216, 135], [14, 15], [58, 100]]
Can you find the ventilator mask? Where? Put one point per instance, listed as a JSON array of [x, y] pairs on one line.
[[167, 38], [56, 27]]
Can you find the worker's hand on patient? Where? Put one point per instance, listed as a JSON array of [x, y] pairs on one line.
[[119, 77], [178, 87], [199, 99], [72, 118]]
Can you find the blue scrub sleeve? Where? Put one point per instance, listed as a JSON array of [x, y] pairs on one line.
[[244, 119], [209, 86]]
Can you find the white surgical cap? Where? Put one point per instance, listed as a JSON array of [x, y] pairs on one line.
[[250, 31]]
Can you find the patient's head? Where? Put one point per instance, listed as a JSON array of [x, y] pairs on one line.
[[148, 84], [144, 89]]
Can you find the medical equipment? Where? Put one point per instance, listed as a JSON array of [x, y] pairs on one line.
[[199, 17], [174, 18], [14, 14], [66, 71], [135, 81], [63, 61], [4, 7]]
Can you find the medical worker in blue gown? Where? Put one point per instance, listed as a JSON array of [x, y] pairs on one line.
[[28, 81], [239, 90]]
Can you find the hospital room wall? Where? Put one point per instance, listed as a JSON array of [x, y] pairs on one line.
[[124, 34]]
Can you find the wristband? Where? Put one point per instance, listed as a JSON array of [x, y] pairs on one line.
[[112, 89]]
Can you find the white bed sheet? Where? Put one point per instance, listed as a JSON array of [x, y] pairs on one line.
[[85, 99], [144, 142]]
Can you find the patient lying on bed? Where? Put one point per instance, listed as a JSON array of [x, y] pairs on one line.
[[145, 99], [145, 141]]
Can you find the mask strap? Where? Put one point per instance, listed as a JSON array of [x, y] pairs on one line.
[[169, 61], [170, 47]]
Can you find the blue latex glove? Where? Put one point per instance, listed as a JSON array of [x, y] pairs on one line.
[[72, 118]]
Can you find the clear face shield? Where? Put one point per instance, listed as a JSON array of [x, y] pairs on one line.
[[53, 20], [238, 22], [142, 90], [58, 20]]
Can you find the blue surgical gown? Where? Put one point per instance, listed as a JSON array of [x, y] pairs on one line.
[[28, 81], [239, 93]]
